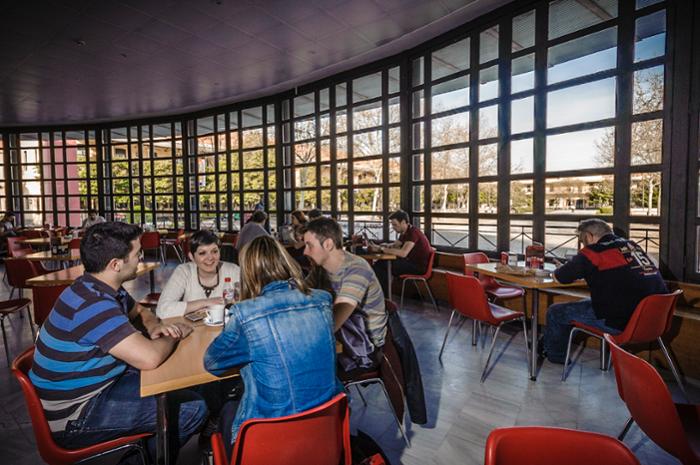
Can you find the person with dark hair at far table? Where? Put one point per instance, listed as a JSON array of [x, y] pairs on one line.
[[255, 227], [412, 250], [89, 352]]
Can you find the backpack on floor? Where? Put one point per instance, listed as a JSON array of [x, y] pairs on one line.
[[365, 451]]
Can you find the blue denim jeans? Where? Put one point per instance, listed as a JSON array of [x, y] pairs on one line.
[[559, 316], [120, 411]]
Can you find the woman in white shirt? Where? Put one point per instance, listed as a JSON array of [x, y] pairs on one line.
[[199, 283]]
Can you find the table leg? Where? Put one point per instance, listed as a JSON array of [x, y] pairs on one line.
[[162, 431], [152, 276], [388, 278], [533, 334]]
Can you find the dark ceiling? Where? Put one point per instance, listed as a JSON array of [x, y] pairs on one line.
[[73, 61]]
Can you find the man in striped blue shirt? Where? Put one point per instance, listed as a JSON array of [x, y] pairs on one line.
[[89, 353]]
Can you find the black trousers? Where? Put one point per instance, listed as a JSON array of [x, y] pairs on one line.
[[399, 267]]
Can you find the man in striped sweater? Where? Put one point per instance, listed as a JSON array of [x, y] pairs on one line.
[[89, 353]]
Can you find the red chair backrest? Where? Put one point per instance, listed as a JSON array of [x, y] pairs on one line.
[[648, 400], [19, 270], [466, 295], [319, 436], [474, 258], [539, 445], [651, 319], [74, 243], [17, 243], [44, 298], [186, 248], [150, 240], [44, 440], [431, 260]]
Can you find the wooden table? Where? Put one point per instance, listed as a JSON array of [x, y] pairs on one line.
[[532, 283], [183, 369], [44, 241], [68, 275]]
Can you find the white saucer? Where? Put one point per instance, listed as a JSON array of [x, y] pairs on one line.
[[208, 322]]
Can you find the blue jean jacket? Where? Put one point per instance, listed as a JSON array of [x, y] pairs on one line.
[[283, 341]]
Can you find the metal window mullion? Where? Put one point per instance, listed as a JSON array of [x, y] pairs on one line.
[[503, 147], [351, 151], [427, 147], [473, 143], [539, 135]]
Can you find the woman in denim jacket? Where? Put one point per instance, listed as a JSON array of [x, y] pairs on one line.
[[280, 334]]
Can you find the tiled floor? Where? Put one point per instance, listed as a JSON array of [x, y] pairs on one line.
[[461, 410]]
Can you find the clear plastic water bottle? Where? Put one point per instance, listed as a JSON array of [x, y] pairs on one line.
[[229, 292]]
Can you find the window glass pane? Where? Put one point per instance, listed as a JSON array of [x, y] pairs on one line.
[[367, 116], [521, 193], [566, 16], [646, 142], [450, 164], [487, 230], [488, 122], [488, 83], [367, 171], [521, 156], [367, 87], [523, 31], [450, 198], [341, 95], [253, 116], [488, 160], [450, 59], [581, 195], [453, 129], [418, 104], [643, 3], [520, 235], [648, 90], [580, 57], [561, 238], [650, 36], [523, 74], [592, 101], [645, 194], [417, 71], [594, 148], [304, 105], [450, 232], [451, 94], [488, 197], [368, 200], [394, 80], [522, 115], [367, 144], [648, 237], [488, 44]]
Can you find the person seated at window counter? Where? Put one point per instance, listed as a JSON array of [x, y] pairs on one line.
[[255, 227], [89, 354], [314, 213], [280, 334], [92, 218], [7, 225], [619, 275], [412, 249], [359, 315], [199, 283]]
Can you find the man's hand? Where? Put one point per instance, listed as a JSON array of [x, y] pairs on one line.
[[175, 330], [373, 247]]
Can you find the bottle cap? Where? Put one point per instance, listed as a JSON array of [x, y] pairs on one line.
[[227, 280]]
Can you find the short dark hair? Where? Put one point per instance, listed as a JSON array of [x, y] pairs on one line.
[[203, 237], [326, 228], [106, 241], [314, 213], [400, 215], [258, 216], [92, 210]]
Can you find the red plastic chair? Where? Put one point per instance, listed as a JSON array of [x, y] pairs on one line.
[[44, 298], [493, 288], [540, 445], [467, 297], [175, 243], [150, 300], [6, 309], [51, 452], [414, 278], [74, 243], [319, 436], [19, 270], [674, 427], [185, 249], [150, 240], [651, 319], [17, 243]]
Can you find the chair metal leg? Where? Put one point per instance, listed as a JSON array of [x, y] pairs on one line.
[[403, 289], [626, 429], [673, 368], [4, 339], [527, 346], [603, 351], [430, 293], [488, 359], [31, 323], [474, 329], [398, 420], [568, 353], [444, 341]]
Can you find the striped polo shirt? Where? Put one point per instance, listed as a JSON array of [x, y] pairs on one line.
[[356, 280], [72, 363]]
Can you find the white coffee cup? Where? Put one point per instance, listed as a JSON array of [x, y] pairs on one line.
[[215, 314]]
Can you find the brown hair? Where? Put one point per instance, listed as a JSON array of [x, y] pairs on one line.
[[299, 215], [326, 228], [263, 261]]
